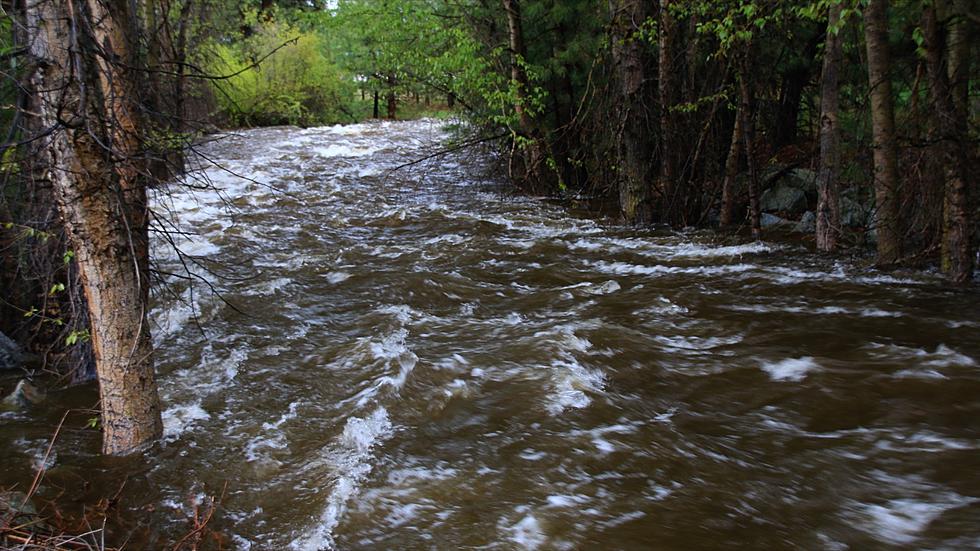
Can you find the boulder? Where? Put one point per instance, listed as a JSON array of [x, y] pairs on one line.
[[16, 509], [771, 220], [807, 224], [783, 198], [10, 355], [16, 504], [24, 395], [802, 179], [853, 214]]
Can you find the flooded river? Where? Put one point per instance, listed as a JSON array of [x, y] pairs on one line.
[[424, 361]]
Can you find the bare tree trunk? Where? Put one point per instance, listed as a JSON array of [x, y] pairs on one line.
[[96, 180], [518, 52], [957, 251], [747, 111], [960, 59], [886, 182], [962, 199], [635, 191], [828, 201], [532, 148], [180, 55], [392, 98], [728, 193], [665, 92]]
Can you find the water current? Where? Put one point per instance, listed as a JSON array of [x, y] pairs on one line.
[[421, 360]]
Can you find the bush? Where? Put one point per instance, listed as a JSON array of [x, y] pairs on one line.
[[297, 84]]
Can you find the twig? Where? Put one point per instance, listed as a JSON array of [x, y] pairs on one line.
[[41, 469], [446, 151]]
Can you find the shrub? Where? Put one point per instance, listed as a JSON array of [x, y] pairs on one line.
[[297, 84]]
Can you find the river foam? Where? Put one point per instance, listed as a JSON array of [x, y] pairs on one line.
[[349, 462]]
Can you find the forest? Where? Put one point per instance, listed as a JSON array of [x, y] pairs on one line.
[[847, 127]]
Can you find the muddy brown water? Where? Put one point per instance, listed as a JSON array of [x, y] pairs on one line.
[[424, 361]]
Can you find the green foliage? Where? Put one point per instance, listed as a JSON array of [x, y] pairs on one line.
[[77, 336], [279, 75]]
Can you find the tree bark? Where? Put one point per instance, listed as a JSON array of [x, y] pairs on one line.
[[959, 60], [531, 148], [726, 216], [86, 93], [747, 111], [957, 250], [635, 190], [518, 52], [666, 77], [828, 194], [392, 98], [180, 55], [886, 179], [788, 111]]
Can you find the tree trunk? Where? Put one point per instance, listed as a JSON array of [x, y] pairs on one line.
[[788, 112], [102, 198], [959, 60], [886, 179], [392, 98], [180, 55], [747, 111], [635, 191], [726, 218], [828, 194], [957, 251], [665, 91], [518, 54], [533, 156], [376, 114]]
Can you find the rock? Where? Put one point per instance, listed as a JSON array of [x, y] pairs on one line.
[[10, 355], [807, 224], [871, 237], [852, 213], [783, 198], [16, 503], [24, 395], [771, 220], [803, 180], [17, 510]]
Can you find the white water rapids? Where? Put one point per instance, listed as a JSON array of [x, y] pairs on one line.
[[423, 360]]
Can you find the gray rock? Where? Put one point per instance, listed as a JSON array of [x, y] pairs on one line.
[[17, 510], [16, 503], [853, 214], [807, 224], [771, 220], [871, 237], [804, 180], [783, 198], [10, 354], [24, 395]]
